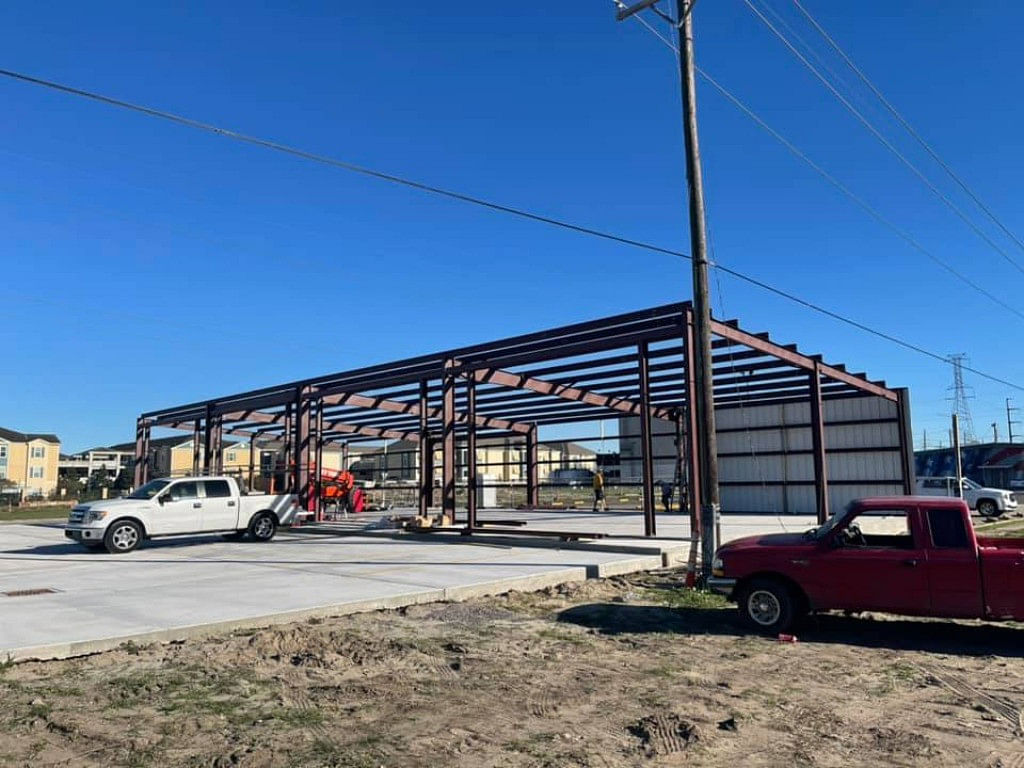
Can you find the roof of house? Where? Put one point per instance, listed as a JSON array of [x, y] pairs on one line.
[[24, 437]]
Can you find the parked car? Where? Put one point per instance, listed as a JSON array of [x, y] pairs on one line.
[[167, 507], [914, 555], [988, 501], [574, 478]]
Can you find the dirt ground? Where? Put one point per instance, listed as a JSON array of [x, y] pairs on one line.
[[629, 671]]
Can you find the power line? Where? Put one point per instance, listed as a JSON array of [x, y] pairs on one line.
[[324, 159], [906, 124], [885, 142], [871, 210], [314, 157]]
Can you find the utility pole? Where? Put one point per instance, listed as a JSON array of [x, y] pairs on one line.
[[1010, 421], [706, 437], [995, 432], [705, 406]]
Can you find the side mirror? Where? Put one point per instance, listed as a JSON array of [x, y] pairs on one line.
[[162, 499]]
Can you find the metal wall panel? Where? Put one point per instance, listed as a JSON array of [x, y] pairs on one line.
[[771, 466]]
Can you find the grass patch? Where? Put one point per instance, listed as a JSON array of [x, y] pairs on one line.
[[324, 752], [561, 636], [684, 597], [34, 513]]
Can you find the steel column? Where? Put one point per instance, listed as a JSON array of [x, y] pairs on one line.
[[692, 442], [141, 452], [680, 468], [319, 466], [344, 455], [448, 442], [197, 451], [208, 440], [906, 441], [532, 460], [646, 442], [252, 459], [818, 447], [289, 439], [301, 476], [471, 476], [426, 451]]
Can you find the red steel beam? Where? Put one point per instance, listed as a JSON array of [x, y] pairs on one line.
[[522, 381], [413, 409], [799, 360]]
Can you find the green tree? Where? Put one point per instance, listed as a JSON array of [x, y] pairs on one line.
[[98, 479], [124, 480]]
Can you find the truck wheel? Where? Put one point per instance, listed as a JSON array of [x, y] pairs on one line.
[[263, 527], [767, 606], [987, 508], [123, 536]]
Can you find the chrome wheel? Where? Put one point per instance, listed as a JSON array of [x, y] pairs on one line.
[[764, 607], [125, 537]]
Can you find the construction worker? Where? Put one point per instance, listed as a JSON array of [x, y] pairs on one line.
[[667, 489], [599, 492]]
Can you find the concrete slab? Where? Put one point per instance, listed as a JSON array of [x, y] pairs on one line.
[[174, 589], [181, 588]]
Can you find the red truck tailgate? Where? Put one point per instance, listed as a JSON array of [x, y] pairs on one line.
[[1002, 574]]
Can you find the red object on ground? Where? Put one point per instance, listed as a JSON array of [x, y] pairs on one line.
[[784, 638]]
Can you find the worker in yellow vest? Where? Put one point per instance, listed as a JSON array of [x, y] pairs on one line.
[[599, 492]]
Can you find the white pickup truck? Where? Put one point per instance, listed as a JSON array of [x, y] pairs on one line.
[[173, 507], [989, 502]]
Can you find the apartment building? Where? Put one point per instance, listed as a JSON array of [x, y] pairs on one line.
[[29, 462]]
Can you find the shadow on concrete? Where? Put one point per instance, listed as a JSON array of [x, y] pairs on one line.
[[933, 636]]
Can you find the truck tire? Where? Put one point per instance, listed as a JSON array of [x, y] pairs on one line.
[[767, 605], [122, 537], [988, 508], [262, 527]]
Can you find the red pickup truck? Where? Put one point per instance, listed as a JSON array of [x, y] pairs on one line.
[[915, 555]]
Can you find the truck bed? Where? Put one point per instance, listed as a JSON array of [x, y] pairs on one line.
[[995, 542]]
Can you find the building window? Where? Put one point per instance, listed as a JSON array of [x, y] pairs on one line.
[[38, 451], [232, 455], [36, 472]]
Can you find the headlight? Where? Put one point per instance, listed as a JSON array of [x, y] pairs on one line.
[[717, 564], [95, 515]]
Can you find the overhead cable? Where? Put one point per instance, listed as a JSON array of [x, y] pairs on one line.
[[318, 158], [910, 129], [885, 142]]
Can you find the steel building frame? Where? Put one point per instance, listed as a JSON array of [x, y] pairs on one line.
[[628, 364]]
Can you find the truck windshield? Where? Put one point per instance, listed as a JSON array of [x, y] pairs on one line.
[[149, 490], [830, 525]]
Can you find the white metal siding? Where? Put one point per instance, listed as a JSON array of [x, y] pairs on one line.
[[772, 469]]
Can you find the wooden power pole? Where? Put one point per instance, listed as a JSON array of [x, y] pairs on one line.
[[706, 437], [707, 442]]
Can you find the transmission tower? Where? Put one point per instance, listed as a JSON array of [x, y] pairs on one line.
[[959, 397]]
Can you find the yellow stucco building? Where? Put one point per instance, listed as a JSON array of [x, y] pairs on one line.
[[29, 461]]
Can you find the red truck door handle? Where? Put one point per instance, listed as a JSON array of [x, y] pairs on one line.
[[910, 563], [800, 562]]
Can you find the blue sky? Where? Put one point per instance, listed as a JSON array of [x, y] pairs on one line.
[[146, 264]]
